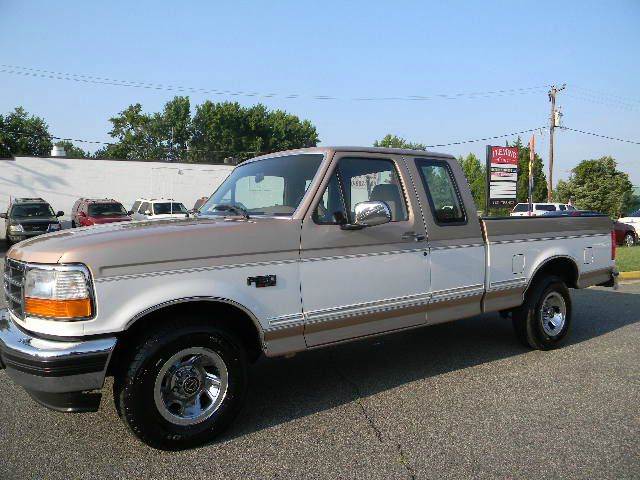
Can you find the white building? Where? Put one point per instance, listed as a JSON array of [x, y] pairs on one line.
[[61, 181]]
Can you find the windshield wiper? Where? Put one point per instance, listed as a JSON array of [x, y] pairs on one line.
[[237, 209]]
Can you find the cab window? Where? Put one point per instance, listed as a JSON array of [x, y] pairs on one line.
[[357, 180], [442, 192]]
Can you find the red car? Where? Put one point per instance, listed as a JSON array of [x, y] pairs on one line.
[[91, 211], [625, 234]]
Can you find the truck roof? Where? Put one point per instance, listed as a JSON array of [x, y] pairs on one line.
[[27, 200], [332, 149]]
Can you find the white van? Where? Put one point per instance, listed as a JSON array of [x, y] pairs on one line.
[[522, 209], [157, 208]]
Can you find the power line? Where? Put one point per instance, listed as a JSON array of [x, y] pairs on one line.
[[609, 95], [601, 136], [486, 138], [460, 142], [91, 79]]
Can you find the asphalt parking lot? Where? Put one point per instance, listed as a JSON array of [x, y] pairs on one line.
[[461, 400]]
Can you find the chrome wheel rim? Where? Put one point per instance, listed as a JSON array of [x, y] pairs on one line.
[[553, 314], [191, 385], [628, 240]]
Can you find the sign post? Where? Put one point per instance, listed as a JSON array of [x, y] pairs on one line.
[[502, 177], [532, 157]]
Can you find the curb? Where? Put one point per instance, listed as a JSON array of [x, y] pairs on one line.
[[629, 276]]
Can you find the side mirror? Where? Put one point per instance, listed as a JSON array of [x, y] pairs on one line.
[[3, 215], [130, 212], [60, 213], [369, 214]]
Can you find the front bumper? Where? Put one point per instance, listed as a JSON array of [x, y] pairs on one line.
[[58, 374]]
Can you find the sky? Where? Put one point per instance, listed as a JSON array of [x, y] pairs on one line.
[[345, 50]]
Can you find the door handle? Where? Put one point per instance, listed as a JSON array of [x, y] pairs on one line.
[[418, 237]]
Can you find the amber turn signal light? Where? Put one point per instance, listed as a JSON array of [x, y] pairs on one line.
[[76, 308]]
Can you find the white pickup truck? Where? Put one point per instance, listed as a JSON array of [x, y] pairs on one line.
[[295, 250]]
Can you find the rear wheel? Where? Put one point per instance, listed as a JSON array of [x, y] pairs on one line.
[[543, 321], [182, 387], [629, 239]]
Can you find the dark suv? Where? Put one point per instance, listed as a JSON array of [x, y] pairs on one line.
[[28, 217]]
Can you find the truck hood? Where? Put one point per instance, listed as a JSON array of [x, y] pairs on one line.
[[110, 219], [33, 220], [127, 248]]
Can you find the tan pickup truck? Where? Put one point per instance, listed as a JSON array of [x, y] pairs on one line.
[[295, 250]]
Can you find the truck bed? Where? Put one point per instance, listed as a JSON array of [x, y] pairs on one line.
[[518, 246]]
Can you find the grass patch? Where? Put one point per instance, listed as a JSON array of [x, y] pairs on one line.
[[628, 259]]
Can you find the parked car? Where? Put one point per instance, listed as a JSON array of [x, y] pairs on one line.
[[522, 209], [625, 234], [294, 251], [633, 219], [94, 211], [157, 208], [28, 217]]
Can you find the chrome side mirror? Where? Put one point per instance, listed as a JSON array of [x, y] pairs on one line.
[[369, 214]]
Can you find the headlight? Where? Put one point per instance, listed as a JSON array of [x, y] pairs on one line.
[[62, 292], [53, 227], [16, 228]]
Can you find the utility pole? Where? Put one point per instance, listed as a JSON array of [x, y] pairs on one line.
[[552, 98]]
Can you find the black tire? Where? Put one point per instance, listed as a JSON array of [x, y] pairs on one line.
[[135, 385], [532, 328], [629, 240], [73, 224]]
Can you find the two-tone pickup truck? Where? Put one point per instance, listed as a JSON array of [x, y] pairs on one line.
[[294, 251]]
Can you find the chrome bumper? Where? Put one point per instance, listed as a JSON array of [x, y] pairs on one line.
[[57, 374]]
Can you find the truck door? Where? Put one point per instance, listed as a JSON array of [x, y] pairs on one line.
[[361, 282], [456, 247]]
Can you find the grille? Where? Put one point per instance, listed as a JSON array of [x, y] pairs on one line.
[[14, 273], [35, 227]]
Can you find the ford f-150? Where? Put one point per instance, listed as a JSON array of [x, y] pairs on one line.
[[295, 250]]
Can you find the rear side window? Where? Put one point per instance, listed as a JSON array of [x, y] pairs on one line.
[[545, 207], [442, 191], [562, 207]]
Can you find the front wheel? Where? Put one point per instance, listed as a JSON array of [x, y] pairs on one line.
[[543, 321], [183, 386], [629, 240]]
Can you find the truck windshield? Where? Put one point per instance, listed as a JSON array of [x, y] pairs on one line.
[[106, 210], [32, 210], [273, 186], [521, 207]]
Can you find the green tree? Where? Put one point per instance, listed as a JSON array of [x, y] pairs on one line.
[[71, 150], [476, 175], [393, 141], [229, 130], [216, 131], [23, 134], [539, 177], [137, 137], [597, 185]]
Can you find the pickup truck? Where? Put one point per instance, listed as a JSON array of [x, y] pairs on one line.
[[294, 251]]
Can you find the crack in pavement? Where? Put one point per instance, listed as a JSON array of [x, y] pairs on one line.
[[402, 457]]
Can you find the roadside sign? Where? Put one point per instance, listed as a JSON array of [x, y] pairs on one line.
[[502, 168]]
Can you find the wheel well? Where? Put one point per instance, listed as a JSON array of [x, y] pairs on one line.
[[562, 267], [233, 318]]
